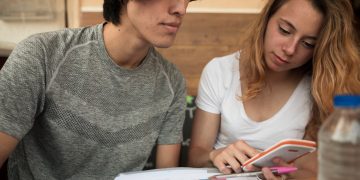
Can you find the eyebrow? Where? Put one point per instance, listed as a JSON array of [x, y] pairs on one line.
[[293, 27]]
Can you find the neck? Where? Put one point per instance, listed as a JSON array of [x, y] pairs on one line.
[[122, 47], [292, 76]]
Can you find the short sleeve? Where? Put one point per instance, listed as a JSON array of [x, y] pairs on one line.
[[211, 87], [21, 86], [171, 129]]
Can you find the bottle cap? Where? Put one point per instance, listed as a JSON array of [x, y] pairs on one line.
[[347, 100]]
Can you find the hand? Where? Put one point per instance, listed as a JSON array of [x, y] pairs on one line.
[[234, 155], [270, 176]]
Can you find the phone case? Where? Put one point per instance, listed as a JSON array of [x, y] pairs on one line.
[[288, 150]]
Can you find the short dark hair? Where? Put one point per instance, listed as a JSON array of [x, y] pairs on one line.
[[112, 10]]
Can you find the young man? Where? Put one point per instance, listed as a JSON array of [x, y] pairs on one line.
[[90, 103]]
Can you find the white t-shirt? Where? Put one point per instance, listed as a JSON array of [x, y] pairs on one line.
[[218, 91]]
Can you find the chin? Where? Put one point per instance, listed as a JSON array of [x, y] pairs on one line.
[[164, 41], [163, 44]]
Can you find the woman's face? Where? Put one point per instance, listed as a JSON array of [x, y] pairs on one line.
[[291, 35]]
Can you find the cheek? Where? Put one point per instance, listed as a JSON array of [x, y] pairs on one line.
[[305, 56], [271, 39], [267, 41]]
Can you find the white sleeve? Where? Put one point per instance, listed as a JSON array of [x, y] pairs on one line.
[[211, 87]]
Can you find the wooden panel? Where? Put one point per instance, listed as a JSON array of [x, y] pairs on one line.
[[90, 18], [213, 29], [202, 37], [191, 60]]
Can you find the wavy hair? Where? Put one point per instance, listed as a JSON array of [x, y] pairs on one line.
[[334, 67]]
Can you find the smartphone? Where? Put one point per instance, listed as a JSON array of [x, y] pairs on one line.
[[289, 150]]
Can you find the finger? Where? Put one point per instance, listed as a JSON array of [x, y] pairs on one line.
[[251, 168], [246, 149], [284, 177], [242, 151], [268, 174], [221, 164], [224, 169], [240, 158], [232, 161], [281, 162]]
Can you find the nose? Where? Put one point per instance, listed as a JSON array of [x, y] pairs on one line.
[[178, 7], [289, 47]]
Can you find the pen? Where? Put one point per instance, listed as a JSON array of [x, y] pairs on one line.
[[275, 170]]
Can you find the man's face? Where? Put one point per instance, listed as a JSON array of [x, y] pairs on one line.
[[154, 21]]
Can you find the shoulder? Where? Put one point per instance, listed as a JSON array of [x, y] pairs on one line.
[[165, 64], [222, 68], [223, 64], [63, 38], [169, 69]]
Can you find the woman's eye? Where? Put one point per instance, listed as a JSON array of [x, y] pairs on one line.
[[283, 31], [308, 45]]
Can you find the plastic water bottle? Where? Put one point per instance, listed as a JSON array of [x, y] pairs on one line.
[[339, 141]]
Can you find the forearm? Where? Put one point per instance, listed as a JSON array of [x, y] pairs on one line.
[[7, 145], [199, 157], [307, 167], [168, 155]]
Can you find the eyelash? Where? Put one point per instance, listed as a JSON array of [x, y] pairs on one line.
[[305, 44], [308, 45], [283, 31]]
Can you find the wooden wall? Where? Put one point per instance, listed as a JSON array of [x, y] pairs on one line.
[[202, 37]]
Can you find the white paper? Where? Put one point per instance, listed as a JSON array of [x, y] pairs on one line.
[[181, 173]]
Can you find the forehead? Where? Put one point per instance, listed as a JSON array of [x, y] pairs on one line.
[[302, 15]]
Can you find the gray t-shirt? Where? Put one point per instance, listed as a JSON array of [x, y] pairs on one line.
[[78, 115]]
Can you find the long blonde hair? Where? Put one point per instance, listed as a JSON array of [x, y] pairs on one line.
[[334, 67]]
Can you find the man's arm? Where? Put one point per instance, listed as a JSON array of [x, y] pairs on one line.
[[7, 146], [168, 155]]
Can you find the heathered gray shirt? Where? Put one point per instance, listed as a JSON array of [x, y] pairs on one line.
[[78, 115]]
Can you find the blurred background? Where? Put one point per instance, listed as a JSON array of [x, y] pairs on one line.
[[211, 28]]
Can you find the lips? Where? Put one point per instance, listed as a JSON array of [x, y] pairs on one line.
[[171, 26], [280, 60]]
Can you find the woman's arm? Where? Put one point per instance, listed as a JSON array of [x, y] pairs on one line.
[[201, 153], [204, 132], [167, 155], [307, 167], [7, 146]]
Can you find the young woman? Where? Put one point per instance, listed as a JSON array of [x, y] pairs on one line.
[[279, 85]]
